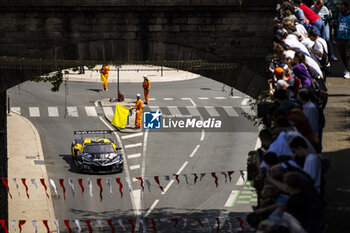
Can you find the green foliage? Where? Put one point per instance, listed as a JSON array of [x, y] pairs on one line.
[[56, 80]]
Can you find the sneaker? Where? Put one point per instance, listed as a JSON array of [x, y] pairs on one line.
[[334, 58], [146, 103], [347, 75]]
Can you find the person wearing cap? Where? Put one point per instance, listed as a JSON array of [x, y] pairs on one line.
[[104, 76], [138, 107], [146, 86]]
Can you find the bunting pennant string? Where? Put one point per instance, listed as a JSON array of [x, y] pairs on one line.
[[88, 223], [240, 222], [200, 222], [4, 181], [13, 222], [185, 223], [242, 174], [52, 182], [101, 188], [185, 175], [156, 178], [35, 226], [99, 223], [167, 178], [109, 221], [66, 222], [218, 225], [77, 223], [177, 178], [45, 187], [90, 186], [141, 180], [63, 188], [120, 186], [216, 179], [71, 184], [132, 225], [207, 222], [20, 224], [202, 175], [120, 222], [80, 182], [176, 221], [128, 181], [3, 224], [34, 183], [57, 225], [148, 183], [154, 225], [109, 183], [46, 226], [229, 174], [195, 178], [17, 187], [25, 185], [143, 226], [225, 175]]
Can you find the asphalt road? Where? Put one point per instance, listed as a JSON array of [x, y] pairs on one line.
[[160, 154]]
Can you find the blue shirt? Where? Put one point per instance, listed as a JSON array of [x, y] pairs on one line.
[[343, 26]]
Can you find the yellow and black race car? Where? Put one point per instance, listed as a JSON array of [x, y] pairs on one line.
[[96, 154]]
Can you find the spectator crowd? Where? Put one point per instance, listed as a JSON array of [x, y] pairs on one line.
[[288, 170]]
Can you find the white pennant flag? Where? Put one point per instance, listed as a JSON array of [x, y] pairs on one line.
[[35, 226], [99, 222], [108, 181], [129, 183], [224, 174], [230, 225], [120, 222], [185, 223], [167, 178], [148, 183], [143, 226], [13, 222], [90, 186], [185, 175], [52, 182], [71, 184], [78, 225], [207, 221], [57, 225], [34, 183], [202, 175], [15, 181]]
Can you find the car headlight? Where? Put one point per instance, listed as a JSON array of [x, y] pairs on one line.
[[112, 155]]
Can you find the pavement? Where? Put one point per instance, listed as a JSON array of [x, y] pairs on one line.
[[26, 156]]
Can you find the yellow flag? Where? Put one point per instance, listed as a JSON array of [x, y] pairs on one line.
[[103, 78], [120, 116]]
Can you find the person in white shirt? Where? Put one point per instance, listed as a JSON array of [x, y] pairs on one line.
[[309, 109], [320, 46]]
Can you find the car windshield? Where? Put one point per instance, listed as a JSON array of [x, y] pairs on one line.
[[98, 148]]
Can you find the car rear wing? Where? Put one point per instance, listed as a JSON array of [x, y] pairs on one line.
[[82, 132]]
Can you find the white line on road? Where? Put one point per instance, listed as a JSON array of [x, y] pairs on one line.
[[212, 111], [137, 197], [91, 111], [34, 112], [108, 111], [202, 135], [133, 145], [167, 187], [151, 99], [16, 110], [153, 108], [134, 167], [235, 97], [231, 198], [53, 111], [241, 180], [72, 111], [182, 168], [132, 135], [245, 102], [230, 111], [220, 98], [168, 98], [203, 98], [193, 103], [194, 151], [174, 111], [133, 156], [152, 207], [193, 111]]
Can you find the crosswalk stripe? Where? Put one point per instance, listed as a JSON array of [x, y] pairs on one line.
[[212, 111], [248, 110], [154, 108], [231, 198], [220, 98], [235, 97], [108, 111], [168, 98], [203, 98], [230, 111], [34, 112], [133, 156], [52, 111], [72, 111], [134, 167], [174, 110], [132, 135], [193, 111], [151, 99], [90, 111], [16, 110], [133, 145]]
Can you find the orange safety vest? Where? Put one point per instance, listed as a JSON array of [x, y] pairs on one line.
[[146, 84], [139, 105], [105, 69]]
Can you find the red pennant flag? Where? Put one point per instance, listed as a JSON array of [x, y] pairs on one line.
[[66, 222], [229, 174], [64, 189], [218, 225], [195, 178], [2, 222], [177, 178], [240, 222], [199, 221], [109, 221], [120, 186], [20, 224], [154, 225], [4, 181], [176, 221], [80, 182], [156, 178], [25, 185], [47, 226], [132, 225], [42, 181], [88, 223], [101, 188], [216, 178], [140, 178]]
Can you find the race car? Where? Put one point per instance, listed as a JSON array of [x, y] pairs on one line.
[[96, 154]]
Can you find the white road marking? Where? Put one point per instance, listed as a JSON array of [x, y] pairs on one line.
[[137, 199], [220, 98], [231, 198], [16, 110], [53, 111], [230, 111], [241, 181], [193, 103], [133, 145], [34, 112], [168, 98], [153, 108], [193, 111], [194, 151], [245, 102], [96, 104], [203, 98], [212, 111], [182, 168], [132, 135], [133, 156], [151, 99], [248, 110], [72, 111], [235, 97], [174, 110], [167, 187], [152, 207], [134, 167], [91, 111], [108, 111], [202, 135]]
